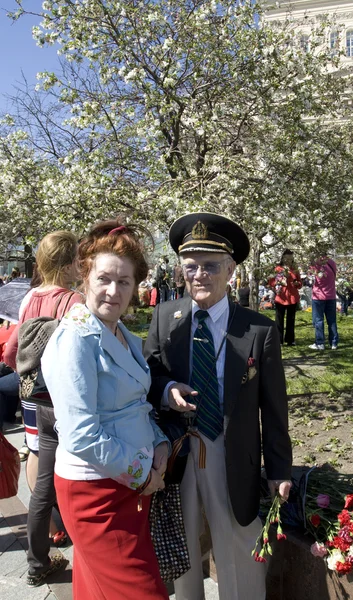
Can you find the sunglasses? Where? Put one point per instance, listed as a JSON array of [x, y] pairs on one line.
[[209, 268]]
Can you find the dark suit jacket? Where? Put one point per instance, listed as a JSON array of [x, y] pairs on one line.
[[260, 398]]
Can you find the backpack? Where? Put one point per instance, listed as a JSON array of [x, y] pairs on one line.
[[33, 336]]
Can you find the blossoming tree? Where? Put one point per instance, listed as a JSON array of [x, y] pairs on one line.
[[195, 104]]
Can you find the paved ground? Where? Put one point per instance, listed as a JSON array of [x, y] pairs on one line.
[[13, 546]]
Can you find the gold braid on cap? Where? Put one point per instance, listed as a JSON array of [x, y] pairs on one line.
[[221, 245]]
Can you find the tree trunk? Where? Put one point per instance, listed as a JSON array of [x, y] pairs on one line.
[[255, 275], [29, 260]]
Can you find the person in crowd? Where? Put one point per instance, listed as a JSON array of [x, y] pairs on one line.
[[323, 271], [287, 283], [219, 364], [243, 294], [111, 455], [267, 301], [149, 280], [144, 294], [262, 289], [344, 293], [154, 294], [163, 278], [29, 411], [56, 265], [15, 273], [179, 280], [9, 398], [8, 380]]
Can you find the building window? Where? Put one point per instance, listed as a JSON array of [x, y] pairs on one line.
[[304, 43], [349, 43], [334, 42]]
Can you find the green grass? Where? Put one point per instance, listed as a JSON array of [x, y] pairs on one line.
[[140, 324], [307, 371]]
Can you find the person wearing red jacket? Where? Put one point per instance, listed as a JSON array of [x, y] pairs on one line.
[[286, 282]]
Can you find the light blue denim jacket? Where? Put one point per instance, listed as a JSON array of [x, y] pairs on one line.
[[99, 392]]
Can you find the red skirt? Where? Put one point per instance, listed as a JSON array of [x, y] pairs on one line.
[[114, 557]]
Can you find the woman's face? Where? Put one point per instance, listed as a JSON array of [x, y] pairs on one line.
[[110, 287], [287, 259]]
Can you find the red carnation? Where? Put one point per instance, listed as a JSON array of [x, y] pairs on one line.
[[344, 517], [281, 536], [348, 502], [345, 534], [341, 544], [315, 520], [259, 558], [343, 568], [265, 540]]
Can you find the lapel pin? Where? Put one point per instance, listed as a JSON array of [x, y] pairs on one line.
[[178, 314]]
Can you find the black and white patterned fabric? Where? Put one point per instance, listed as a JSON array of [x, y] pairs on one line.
[[168, 533]]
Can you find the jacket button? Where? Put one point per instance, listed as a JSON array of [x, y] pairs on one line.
[[143, 398]]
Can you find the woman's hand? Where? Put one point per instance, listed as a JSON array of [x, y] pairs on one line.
[[160, 458], [155, 484]]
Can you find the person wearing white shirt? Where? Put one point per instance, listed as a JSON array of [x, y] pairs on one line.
[[216, 368]]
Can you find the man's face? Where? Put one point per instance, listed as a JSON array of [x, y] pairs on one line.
[[206, 275]]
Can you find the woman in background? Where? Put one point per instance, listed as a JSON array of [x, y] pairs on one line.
[[56, 266], [286, 282]]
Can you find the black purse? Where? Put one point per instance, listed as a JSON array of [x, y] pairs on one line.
[[168, 533]]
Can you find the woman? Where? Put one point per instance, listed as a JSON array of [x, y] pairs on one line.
[[286, 282], [56, 266], [111, 455]]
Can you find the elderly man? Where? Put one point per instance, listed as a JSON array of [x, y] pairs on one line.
[[218, 365]]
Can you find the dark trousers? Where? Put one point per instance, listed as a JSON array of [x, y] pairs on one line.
[[180, 291], [9, 399], [281, 309], [43, 497]]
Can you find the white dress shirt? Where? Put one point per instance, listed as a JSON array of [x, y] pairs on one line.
[[217, 322]]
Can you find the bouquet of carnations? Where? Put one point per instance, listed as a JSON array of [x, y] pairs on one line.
[[281, 279], [324, 508], [329, 517], [263, 547]]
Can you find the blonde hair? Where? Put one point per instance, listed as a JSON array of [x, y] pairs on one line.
[[55, 251]]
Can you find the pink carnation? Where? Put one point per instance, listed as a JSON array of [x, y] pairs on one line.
[[318, 549], [323, 501]]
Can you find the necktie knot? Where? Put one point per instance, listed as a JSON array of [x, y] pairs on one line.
[[201, 315]]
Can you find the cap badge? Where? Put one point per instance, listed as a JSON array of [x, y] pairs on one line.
[[199, 231]]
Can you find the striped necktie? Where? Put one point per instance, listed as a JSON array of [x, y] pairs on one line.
[[209, 419]]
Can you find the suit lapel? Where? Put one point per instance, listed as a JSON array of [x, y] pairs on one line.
[[238, 348], [179, 338], [133, 363]]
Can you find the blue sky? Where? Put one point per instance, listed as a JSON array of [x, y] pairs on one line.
[[18, 51]]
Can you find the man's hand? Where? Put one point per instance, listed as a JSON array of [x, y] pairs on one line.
[[282, 486], [160, 458], [155, 484], [176, 400]]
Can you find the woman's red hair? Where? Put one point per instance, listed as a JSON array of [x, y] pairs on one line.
[[113, 237]]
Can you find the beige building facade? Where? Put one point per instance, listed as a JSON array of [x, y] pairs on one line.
[[305, 11]]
